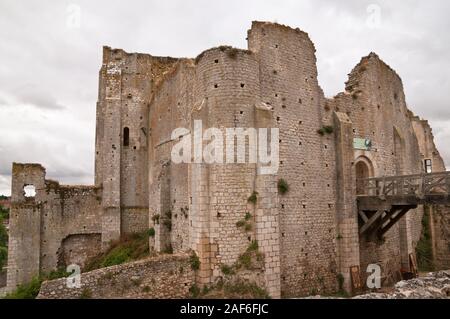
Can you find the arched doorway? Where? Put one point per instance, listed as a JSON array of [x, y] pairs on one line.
[[363, 170]]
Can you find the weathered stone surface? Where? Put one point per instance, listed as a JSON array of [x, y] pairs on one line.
[[309, 236], [162, 277], [432, 286]]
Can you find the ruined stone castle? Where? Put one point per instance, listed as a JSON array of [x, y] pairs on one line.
[[312, 237]]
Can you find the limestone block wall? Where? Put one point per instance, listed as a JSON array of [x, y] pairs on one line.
[[169, 185], [162, 277], [229, 81], [440, 230], [127, 83], [375, 102], [307, 212], [54, 228]]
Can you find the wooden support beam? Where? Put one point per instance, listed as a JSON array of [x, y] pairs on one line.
[[371, 221], [392, 222]]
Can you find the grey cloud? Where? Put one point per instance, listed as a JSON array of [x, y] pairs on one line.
[[47, 64]]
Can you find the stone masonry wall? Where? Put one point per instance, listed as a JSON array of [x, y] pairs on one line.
[[162, 277], [375, 102], [43, 227], [307, 212]]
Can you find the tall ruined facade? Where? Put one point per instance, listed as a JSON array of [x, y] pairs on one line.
[[309, 236]]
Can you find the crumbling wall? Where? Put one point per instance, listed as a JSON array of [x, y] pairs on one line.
[[169, 198], [127, 84], [162, 277], [375, 102], [40, 225]]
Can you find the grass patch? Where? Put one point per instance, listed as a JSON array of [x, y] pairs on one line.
[[129, 248], [31, 290]]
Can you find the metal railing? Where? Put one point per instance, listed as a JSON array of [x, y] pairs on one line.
[[408, 185]]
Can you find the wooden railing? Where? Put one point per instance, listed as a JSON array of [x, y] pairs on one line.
[[409, 185]]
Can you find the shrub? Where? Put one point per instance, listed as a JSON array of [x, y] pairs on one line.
[[248, 227], [195, 261], [253, 197], [3, 234], [247, 216], [283, 186], [26, 291], [326, 130], [3, 257], [151, 232], [424, 251]]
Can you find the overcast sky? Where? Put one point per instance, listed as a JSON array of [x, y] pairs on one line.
[[50, 53]]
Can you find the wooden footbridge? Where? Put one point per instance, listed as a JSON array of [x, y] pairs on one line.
[[383, 201]]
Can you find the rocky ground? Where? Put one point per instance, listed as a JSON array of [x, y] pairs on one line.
[[431, 286]]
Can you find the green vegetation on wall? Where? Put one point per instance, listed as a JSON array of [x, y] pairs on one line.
[[424, 250], [129, 248]]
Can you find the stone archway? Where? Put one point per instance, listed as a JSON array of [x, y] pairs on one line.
[[363, 170]]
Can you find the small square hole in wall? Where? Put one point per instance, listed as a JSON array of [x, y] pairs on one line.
[[304, 206], [304, 184], [216, 61], [242, 85], [219, 215], [249, 238], [300, 101], [328, 185], [241, 112], [330, 206], [282, 206], [306, 233], [283, 106], [276, 95], [216, 86], [300, 122], [29, 191], [325, 146], [281, 162], [326, 165], [299, 143], [276, 46], [283, 234]]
